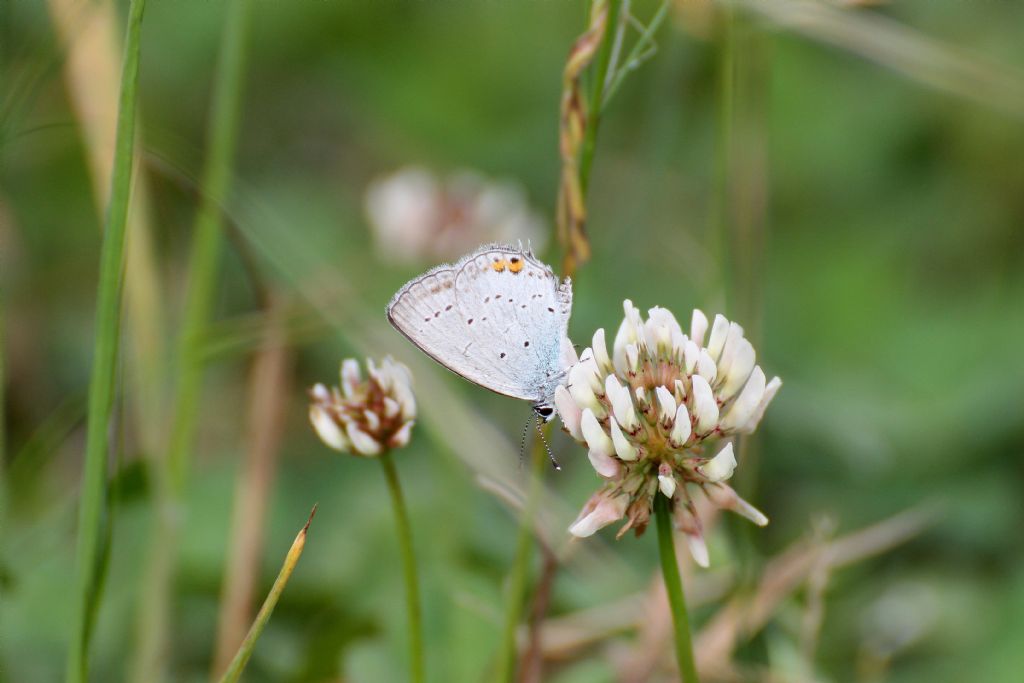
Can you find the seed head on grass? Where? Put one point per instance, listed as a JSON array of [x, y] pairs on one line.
[[365, 417], [658, 416]]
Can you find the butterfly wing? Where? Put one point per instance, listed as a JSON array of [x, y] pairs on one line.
[[497, 317]]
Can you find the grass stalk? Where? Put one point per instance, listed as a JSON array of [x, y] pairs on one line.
[[674, 588], [519, 575], [88, 34], [92, 514], [740, 216], [207, 244], [3, 421], [721, 208], [412, 590], [269, 396], [208, 238], [642, 50], [241, 658], [579, 115], [599, 78]]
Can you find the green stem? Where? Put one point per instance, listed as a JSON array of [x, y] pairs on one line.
[[600, 76], [741, 225], [412, 591], [208, 238], [642, 50], [205, 253], [674, 588], [722, 195], [3, 421], [234, 670], [92, 512], [520, 568]]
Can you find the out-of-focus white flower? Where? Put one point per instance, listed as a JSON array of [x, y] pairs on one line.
[[365, 417], [416, 216], [653, 412]]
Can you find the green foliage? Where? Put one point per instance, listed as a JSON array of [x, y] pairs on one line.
[[890, 301], [94, 514]]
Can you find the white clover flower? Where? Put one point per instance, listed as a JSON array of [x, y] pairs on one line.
[[601, 510], [658, 415], [365, 417], [417, 216]]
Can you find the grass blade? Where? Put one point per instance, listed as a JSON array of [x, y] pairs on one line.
[[933, 63], [3, 433], [268, 407], [92, 506], [207, 242], [643, 49], [600, 77], [87, 34], [263, 616], [208, 238], [519, 574]]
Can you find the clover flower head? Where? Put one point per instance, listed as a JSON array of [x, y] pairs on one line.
[[657, 417], [365, 417], [417, 215]]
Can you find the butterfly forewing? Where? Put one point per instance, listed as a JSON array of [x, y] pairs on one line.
[[497, 317]]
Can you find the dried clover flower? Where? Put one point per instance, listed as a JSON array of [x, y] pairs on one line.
[[658, 415], [415, 215], [365, 417]]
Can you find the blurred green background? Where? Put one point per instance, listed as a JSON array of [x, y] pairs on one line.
[[873, 204]]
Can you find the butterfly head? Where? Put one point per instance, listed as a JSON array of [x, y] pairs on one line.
[[544, 411]]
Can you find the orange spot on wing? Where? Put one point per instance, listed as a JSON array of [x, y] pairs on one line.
[[499, 265], [515, 265]]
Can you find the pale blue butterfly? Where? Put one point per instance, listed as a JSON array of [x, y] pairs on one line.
[[498, 317]]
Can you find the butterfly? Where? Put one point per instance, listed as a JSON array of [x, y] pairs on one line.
[[498, 317]]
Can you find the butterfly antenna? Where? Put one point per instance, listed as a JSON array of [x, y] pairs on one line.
[[551, 456], [522, 443]]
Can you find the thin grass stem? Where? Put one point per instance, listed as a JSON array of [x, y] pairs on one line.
[[203, 261], [237, 665], [412, 590], [599, 78], [3, 424], [207, 240], [621, 25], [739, 217], [721, 208], [87, 32], [269, 396], [642, 50], [92, 513], [519, 575], [674, 588]]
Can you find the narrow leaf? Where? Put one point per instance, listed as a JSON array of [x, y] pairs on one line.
[[245, 649]]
